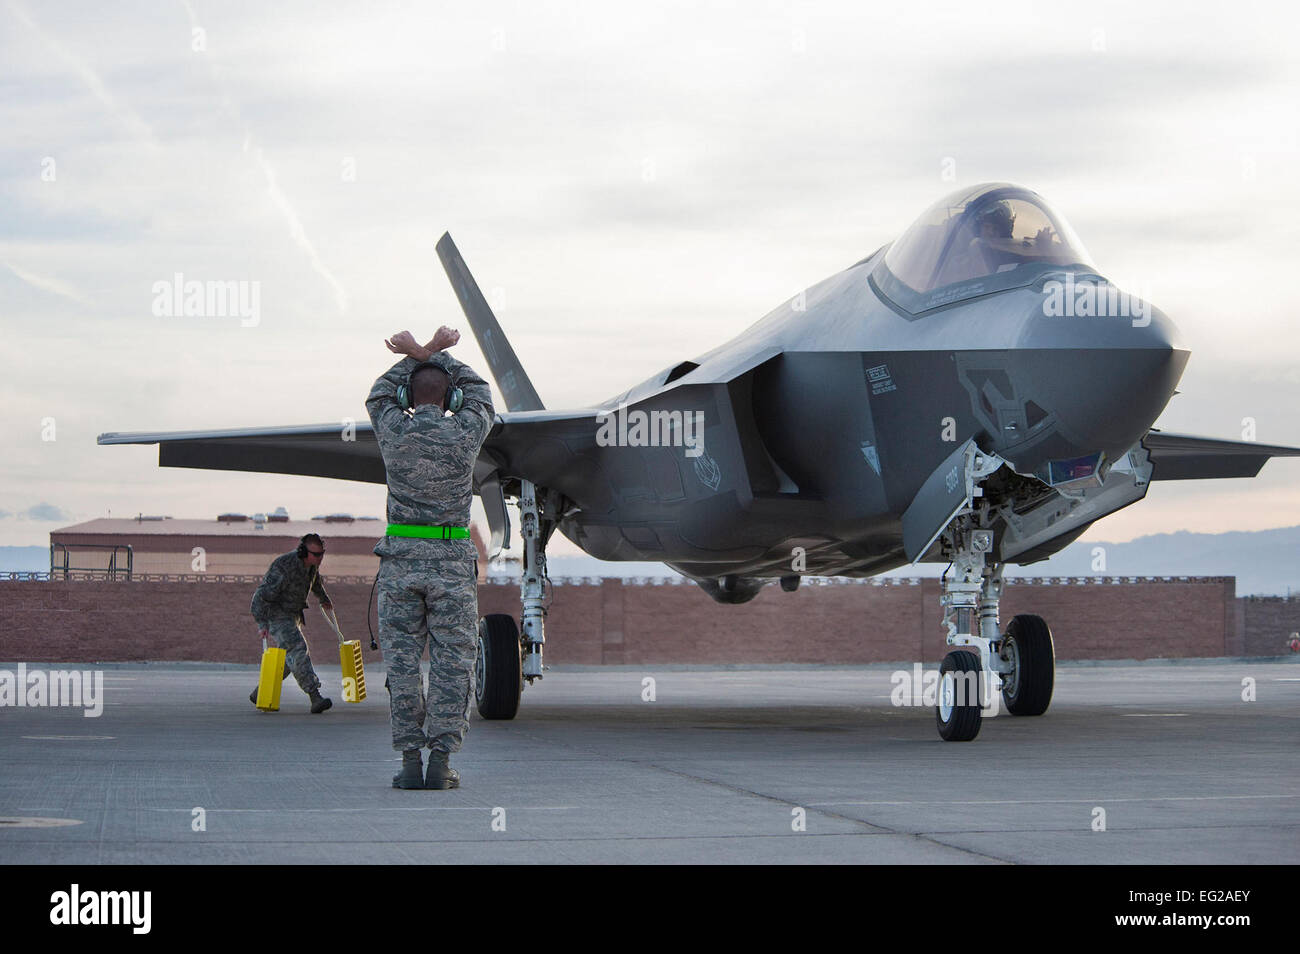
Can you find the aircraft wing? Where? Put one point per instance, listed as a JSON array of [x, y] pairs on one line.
[[312, 450], [1184, 457], [532, 444], [516, 446]]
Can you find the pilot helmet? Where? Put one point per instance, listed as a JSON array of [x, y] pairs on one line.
[[1000, 215]]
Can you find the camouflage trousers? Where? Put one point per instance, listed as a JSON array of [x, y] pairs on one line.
[[431, 603], [287, 634]]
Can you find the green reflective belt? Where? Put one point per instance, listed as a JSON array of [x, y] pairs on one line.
[[430, 533]]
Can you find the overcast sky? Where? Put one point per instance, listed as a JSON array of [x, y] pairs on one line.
[[632, 184]]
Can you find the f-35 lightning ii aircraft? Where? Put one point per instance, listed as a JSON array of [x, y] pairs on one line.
[[975, 393]]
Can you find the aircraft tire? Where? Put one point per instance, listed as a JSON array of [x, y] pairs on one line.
[[498, 671], [1028, 690], [958, 723]]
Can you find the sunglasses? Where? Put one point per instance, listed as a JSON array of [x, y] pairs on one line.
[[319, 553]]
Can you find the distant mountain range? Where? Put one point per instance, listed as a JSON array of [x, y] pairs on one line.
[[1265, 562], [24, 559]]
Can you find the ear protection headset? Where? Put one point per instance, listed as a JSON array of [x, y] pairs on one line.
[[302, 546], [453, 399]]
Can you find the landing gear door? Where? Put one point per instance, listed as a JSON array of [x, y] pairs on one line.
[[498, 518], [944, 494]]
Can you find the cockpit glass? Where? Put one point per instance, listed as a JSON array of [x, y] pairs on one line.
[[991, 230]]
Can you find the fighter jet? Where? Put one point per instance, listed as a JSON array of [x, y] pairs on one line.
[[974, 393]]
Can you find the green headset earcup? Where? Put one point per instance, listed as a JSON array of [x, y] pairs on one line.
[[455, 397]]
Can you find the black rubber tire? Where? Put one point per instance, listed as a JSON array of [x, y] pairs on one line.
[[964, 720], [498, 672], [1031, 693]]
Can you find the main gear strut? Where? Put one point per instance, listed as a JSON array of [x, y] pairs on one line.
[[532, 584]]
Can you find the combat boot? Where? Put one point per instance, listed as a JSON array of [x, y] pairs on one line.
[[411, 775], [440, 774], [319, 703]]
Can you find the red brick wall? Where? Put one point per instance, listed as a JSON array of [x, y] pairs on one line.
[[611, 622], [1267, 623], [1133, 621]]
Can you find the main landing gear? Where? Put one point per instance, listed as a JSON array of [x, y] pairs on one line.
[[1019, 664], [506, 658]]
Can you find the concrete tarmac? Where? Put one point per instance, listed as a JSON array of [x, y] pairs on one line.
[[799, 765]]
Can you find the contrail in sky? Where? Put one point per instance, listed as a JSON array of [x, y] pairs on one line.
[[83, 69], [51, 285], [296, 230]]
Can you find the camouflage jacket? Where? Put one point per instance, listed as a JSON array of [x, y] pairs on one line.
[[429, 457], [284, 589]]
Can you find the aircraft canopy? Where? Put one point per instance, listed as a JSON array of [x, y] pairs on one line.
[[990, 230]]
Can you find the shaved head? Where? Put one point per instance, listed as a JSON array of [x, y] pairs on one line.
[[429, 386]]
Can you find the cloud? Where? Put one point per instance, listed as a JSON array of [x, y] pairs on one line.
[[46, 511]]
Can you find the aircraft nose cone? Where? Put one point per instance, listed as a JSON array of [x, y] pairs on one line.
[[1109, 399], [1104, 381]]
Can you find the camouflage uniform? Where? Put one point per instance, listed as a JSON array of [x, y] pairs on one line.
[[428, 590], [278, 606]]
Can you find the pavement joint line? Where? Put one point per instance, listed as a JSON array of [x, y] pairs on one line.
[[1153, 715], [1068, 801], [879, 829], [210, 842], [858, 822], [1131, 830], [505, 836], [412, 808]]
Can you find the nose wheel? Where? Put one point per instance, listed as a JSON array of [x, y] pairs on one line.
[[958, 713]]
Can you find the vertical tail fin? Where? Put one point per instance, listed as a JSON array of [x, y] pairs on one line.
[[506, 370]]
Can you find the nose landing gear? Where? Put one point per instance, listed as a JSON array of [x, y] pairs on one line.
[[1019, 666]]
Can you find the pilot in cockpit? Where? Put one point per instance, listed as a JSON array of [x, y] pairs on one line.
[[993, 245], [978, 233]]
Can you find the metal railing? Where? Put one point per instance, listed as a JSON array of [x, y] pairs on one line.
[[112, 571], [101, 576]]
